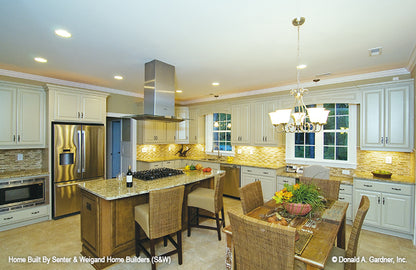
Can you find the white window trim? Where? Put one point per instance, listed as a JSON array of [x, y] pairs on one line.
[[209, 121], [319, 159]]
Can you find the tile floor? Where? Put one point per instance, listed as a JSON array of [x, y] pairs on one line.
[[61, 238]]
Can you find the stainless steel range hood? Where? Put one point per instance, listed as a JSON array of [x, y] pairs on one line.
[[159, 93]]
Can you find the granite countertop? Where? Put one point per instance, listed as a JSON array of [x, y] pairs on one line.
[[112, 189], [403, 179], [24, 173]]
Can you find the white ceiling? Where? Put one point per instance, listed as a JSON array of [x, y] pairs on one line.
[[245, 45]]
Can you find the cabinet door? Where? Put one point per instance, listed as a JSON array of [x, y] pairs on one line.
[[396, 214], [373, 216], [8, 134], [92, 108], [67, 106], [182, 128], [31, 118], [240, 124], [263, 129], [268, 186], [281, 181], [170, 132], [89, 221], [347, 198], [247, 179], [397, 118], [160, 131], [372, 119], [194, 127]]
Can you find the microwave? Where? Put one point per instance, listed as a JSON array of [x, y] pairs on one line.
[[22, 193]]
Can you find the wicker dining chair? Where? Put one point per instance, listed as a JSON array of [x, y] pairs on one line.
[[351, 251], [210, 200], [161, 217], [261, 245], [327, 188], [251, 196]]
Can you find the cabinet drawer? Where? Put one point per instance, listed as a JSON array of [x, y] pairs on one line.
[[27, 214], [345, 189], [286, 180], [345, 198], [259, 171], [368, 185], [397, 188]]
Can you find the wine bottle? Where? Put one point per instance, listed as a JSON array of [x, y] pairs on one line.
[[129, 177]]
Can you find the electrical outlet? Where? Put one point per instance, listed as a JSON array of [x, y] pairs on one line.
[[251, 152], [239, 151], [389, 160], [346, 172], [144, 150], [19, 157]]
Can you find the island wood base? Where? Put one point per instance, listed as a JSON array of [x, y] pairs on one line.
[[107, 226]]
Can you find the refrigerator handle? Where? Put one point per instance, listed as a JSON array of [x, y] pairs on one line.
[[83, 154], [79, 151]]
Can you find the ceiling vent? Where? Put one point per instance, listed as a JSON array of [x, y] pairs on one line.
[[375, 51]]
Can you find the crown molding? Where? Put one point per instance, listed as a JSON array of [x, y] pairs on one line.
[[351, 78], [412, 60], [27, 76]]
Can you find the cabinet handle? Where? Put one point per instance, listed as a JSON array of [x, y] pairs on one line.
[[82, 115], [265, 139], [398, 189], [341, 198], [285, 181], [387, 140], [368, 185], [14, 138], [88, 206], [18, 138], [341, 189], [34, 213], [78, 115], [378, 200], [383, 201], [248, 170], [7, 218], [382, 139]]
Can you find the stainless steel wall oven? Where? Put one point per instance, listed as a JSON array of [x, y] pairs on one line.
[[21, 193]]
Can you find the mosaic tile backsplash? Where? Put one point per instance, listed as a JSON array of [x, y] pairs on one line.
[[403, 163], [33, 159]]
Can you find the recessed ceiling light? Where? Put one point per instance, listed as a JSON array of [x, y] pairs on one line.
[[375, 51], [301, 66], [179, 91], [215, 83], [40, 60], [63, 33], [118, 77]]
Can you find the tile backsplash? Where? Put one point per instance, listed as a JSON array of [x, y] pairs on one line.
[[402, 163], [33, 159]]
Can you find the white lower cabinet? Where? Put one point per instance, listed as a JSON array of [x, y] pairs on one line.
[[391, 206], [345, 195], [282, 180], [267, 177], [14, 219]]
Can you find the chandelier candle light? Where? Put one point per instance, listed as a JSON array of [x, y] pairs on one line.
[[299, 118]]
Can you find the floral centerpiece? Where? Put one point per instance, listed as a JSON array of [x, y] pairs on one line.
[[299, 199]]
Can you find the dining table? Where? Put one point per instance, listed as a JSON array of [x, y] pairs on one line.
[[319, 233]]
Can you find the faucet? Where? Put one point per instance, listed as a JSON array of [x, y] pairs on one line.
[[218, 148]]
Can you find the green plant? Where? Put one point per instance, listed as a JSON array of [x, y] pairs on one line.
[[300, 193]]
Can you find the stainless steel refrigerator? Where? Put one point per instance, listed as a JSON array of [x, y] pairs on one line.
[[78, 156]]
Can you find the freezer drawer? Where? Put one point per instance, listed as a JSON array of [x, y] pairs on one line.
[[66, 199]]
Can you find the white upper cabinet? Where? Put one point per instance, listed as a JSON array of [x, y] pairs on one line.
[[22, 116], [240, 124], [387, 118], [70, 104], [263, 130], [196, 127], [152, 132], [182, 128]]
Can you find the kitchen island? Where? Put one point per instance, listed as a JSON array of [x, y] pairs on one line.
[[107, 212]]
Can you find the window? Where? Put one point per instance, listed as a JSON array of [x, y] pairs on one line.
[[334, 146], [218, 133]]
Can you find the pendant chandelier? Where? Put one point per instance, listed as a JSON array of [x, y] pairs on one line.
[[299, 118]]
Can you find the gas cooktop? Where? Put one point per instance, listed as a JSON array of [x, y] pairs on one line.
[[156, 173]]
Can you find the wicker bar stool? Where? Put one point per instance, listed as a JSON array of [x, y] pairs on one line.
[[161, 217], [210, 200], [251, 196], [351, 251], [262, 245], [327, 188]]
